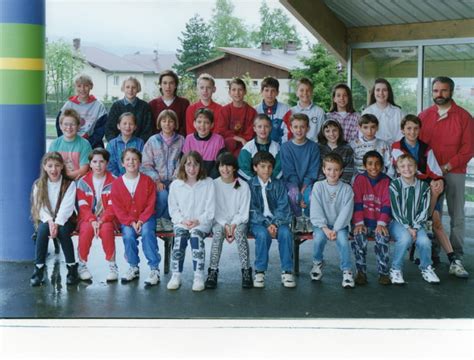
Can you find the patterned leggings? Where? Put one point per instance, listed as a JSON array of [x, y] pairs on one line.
[[359, 246], [240, 236], [196, 238]]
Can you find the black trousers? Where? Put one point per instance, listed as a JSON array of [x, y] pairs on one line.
[[64, 236]]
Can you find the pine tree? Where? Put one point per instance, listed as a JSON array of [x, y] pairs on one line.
[[228, 30]]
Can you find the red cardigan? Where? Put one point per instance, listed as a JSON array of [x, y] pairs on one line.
[[141, 206], [179, 106], [215, 107]]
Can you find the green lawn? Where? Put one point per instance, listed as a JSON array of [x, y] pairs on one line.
[[50, 131]]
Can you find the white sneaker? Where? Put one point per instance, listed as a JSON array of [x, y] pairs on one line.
[[259, 280], [113, 272], [167, 225], [396, 277], [347, 279], [457, 269], [316, 271], [153, 278], [288, 280], [429, 275], [175, 281], [132, 273], [300, 224], [83, 272], [198, 282]]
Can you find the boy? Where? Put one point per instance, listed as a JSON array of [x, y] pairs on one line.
[[73, 148], [304, 93], [206, 86], [269, 218], [300, 165], [410, 201], [368, 126], [372, 215], [331, 206], [275, 110], [236, 118], [127, 126], [92, 113], [262, 126], [206, 143]]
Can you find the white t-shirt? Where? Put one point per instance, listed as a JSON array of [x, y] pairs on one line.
[[131, 184]]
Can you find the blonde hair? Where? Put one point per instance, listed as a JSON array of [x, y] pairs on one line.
[[72, 114], [207, 77], [167, 114], [84, 79], [406, 157], [134, 80]]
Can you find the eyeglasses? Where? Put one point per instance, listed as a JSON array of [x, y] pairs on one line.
[[69, 125]]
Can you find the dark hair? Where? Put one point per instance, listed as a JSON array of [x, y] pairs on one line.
[[333, 157], [270, 82], [412, 118], [372, 153], [444, 80], [390, 98], [173, 75], [227, 158], [350, 104], [133, 151], [237, 81], [299, 116], [367, 119], [206, 112], [198, 158], [263, 156], [127, 114], [322, 139], [99, 151]]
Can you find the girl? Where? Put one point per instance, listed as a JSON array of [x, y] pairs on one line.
[[230, 222], [96, 216], [330, 140], [52, 207], [342, 110], [191, 206], [160, 162], [133, 202], [389, 114]]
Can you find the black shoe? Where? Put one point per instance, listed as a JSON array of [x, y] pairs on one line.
[[211, 281], [72, 277], [247, 281], [57, 248], [38, 276]]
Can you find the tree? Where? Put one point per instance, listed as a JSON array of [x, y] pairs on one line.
[[274, 27], [196, 45], [228, 30]]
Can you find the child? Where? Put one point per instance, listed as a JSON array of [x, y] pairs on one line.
[[410, 200], [371, 217], [332, 203], [269, 219], [160, 162], [429, 171], [300, 164], [92, 113], [130, 104], [169, 100], [127, 125], [342, 110], [368, 127], [275, 110], [331, 140], [231, 219], [96, 216], [262, 125], [304, 93], [206, 143], [52, 207], [389, 114], [191, 206], [206, 86], [133, 202], [73, 148], [236, 118]]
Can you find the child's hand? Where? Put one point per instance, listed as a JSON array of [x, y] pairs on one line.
[[187, 223], [53, 229], [229, 232], [382, 230], [360, 229], [137, 226], [272, 229], [240, 140], [437, 187], [159, 185], [95, 226], [412, 233], [328, 232], [303, 204]]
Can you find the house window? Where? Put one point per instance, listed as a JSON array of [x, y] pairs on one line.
[[116, 80], [255, 83]]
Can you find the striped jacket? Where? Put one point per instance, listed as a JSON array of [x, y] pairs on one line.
[[248, 152]]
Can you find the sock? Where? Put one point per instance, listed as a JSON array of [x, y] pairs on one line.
[[71, 264], [451, 256]]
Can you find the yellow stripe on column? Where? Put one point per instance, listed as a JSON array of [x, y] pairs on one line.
[[21, 64]]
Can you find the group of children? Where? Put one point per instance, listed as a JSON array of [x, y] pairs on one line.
[[260, 169]]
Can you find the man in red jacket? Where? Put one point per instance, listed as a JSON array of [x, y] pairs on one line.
[[449, 130]]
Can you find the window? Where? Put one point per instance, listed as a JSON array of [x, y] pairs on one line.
[[116, 80]]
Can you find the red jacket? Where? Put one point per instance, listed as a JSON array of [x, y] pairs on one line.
[[141, 206], [235, 121], [87, 201], [179, 106], [191, 110], [451, 137]]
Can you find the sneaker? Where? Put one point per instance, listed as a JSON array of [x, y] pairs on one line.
[[247, 282], [167, 225], [308, 225], [300, 224], [133, 273], [211, 281], [317, 271], [347, 279], [38, 276], [153, 277], [396, 277], [384, 279], [259, 280], [288, 280], [113, 272], [429, 275], [72, 276], [198, 282], [457, 269], [83, 272], [361, 278], [175, 281]]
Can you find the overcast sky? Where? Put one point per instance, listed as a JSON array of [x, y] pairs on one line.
[[126, 26]]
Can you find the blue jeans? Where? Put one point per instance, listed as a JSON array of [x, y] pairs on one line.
[[403, 241], [161, 204], [263, 241], [295, 197], [342, 243], [149, 244]]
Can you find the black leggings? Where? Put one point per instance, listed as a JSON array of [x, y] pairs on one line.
[[64, 236]]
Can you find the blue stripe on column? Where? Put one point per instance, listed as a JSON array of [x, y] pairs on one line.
[[22, 131], [22, 11]]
